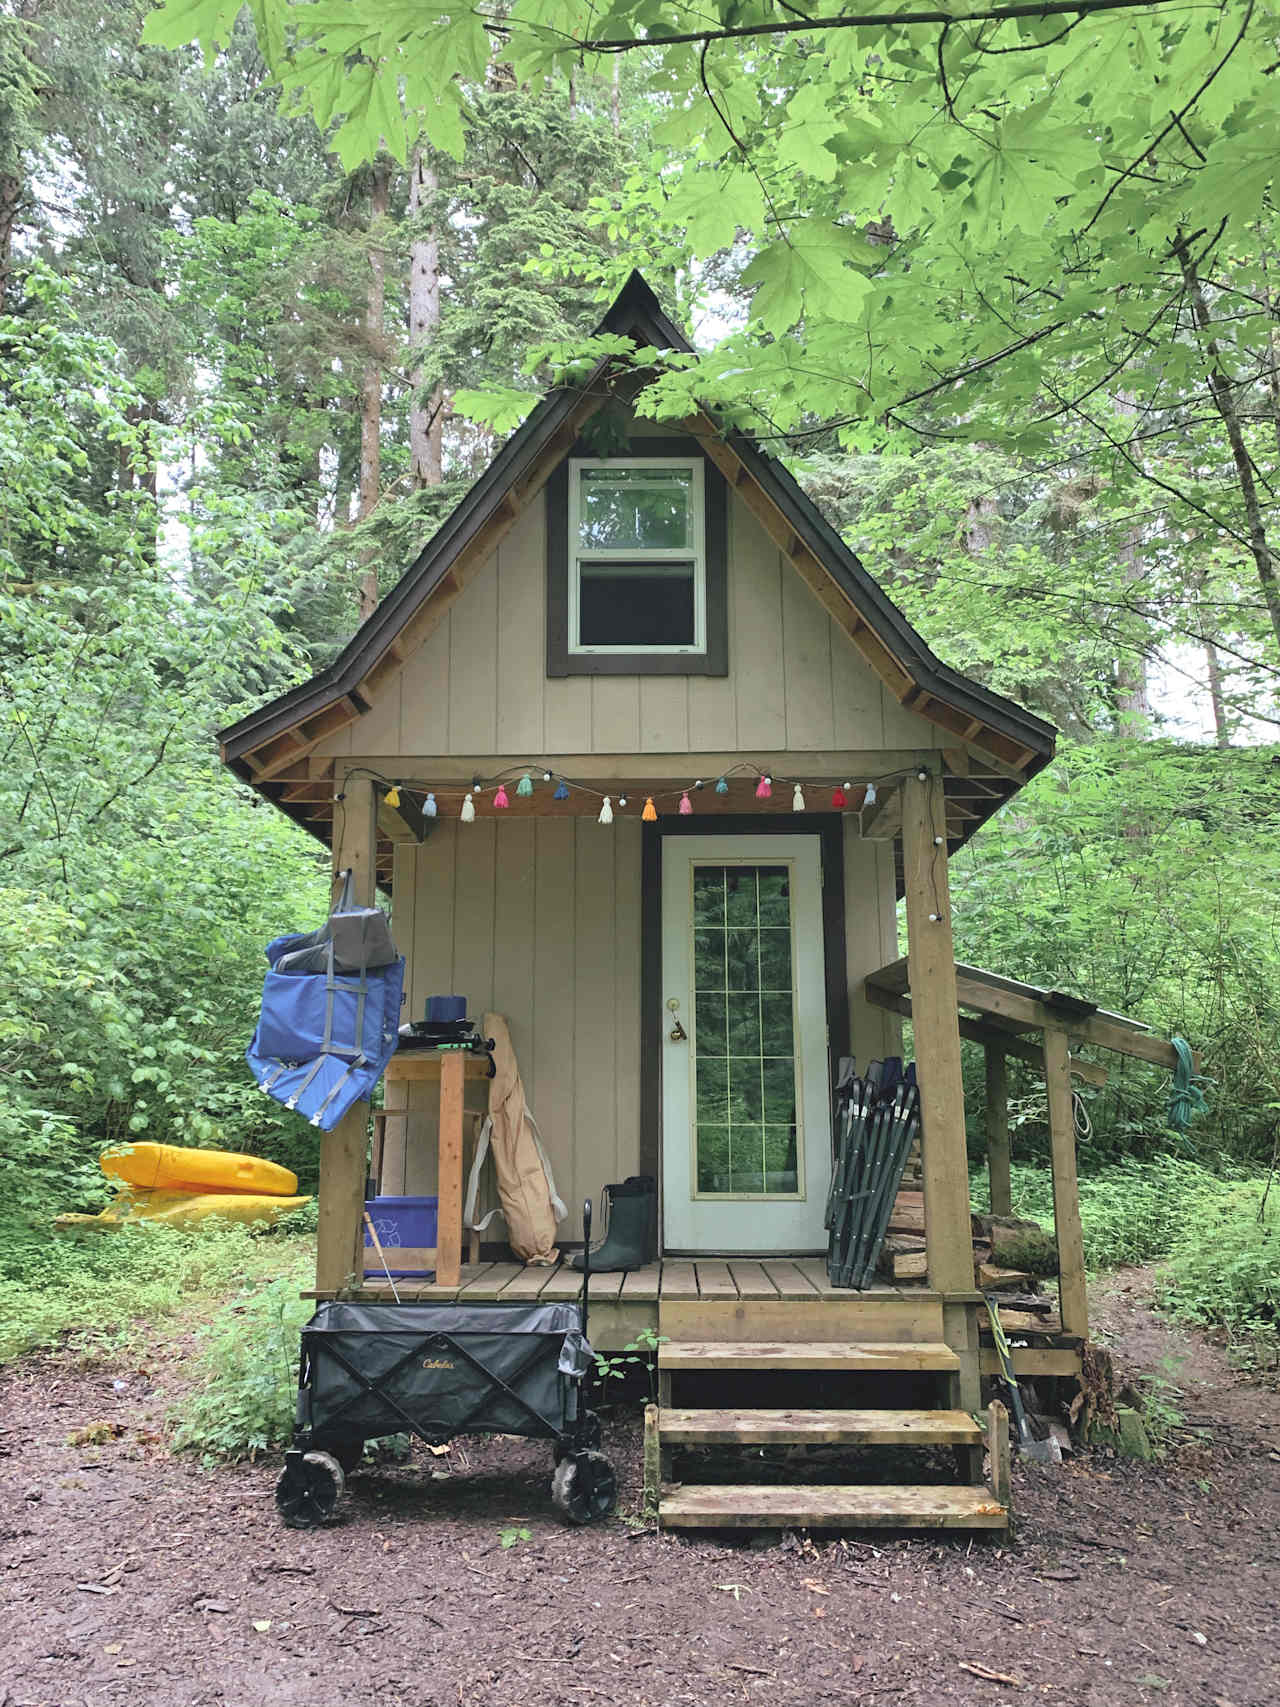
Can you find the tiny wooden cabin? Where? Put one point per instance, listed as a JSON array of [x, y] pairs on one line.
[[646, 614]]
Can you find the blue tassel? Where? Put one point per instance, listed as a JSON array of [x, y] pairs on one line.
[[722, 787], [429, 806], [562, 792]]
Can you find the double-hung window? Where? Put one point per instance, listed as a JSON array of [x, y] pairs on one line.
[[637, 550], [637, 544]]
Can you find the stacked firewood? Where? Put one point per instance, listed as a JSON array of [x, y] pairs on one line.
[[1009, 1255]]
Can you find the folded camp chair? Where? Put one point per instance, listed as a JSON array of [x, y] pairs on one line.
[[330, 1016]]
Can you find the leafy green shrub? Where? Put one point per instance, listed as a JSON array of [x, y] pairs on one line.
[[1224, 1263], [245, 1403], [94, 1287], [1134, 1212]]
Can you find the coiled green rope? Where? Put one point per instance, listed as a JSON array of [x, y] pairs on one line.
[[1186, 1099]]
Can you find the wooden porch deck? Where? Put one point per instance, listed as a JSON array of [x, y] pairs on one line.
[[673, 1279], [735, 1298]]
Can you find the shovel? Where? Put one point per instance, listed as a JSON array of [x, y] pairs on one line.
[[1042, 1451]]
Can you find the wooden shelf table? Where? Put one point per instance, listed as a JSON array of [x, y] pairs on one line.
[[450, 1068]]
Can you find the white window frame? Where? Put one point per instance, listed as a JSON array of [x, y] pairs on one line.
[[697, 550]]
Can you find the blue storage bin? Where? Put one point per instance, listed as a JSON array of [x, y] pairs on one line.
[[407, 1229]]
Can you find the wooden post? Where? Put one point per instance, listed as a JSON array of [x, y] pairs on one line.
[[449, 1173], [936, 1022], [652, 1463], [998, 1130], [998, 1451], [340, 1222], [1073, 1301]]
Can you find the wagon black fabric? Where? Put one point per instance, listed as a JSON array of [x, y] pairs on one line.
[[439, 1370]]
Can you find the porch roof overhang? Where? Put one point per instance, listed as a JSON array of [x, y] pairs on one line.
[[998, 744], [1009, 1013]]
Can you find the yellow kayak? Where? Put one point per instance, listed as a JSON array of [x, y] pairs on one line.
[[184, 1209], [169, 1168]]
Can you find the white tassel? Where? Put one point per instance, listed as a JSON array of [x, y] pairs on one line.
[[797, 799], [468, 812], [606, 812], [869, 798]]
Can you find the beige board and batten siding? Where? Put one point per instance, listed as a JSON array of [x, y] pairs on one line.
[[478, 684], [539, 919]]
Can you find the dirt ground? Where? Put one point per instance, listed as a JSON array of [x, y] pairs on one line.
[[129, 1576]]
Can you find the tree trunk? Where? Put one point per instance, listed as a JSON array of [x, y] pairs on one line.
[[1132, 699], [615, 94], [1221, 726], [425, 424], [13, 184], [1220, 389], [371, 386]]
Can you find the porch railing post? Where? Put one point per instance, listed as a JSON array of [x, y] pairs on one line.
[[1073, 1302], [343, 1152], [936, 1025], [998, 1169]]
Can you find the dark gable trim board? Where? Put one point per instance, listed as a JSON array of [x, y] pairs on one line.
[[637, 313], [715, 660], [829, 827]]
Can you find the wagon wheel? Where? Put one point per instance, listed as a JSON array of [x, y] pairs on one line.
[[348, 1449], [308, 1491], [584, 1487], [587, 1436]]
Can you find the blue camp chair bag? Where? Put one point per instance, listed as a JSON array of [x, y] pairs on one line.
[[330, 1022]]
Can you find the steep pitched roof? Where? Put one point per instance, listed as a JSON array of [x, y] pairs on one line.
[[262, 746]]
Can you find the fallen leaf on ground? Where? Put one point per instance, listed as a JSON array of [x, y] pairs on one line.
[[815, 1585], [98, 1588], [737, 1590], [262, 1625], [113, 1647]]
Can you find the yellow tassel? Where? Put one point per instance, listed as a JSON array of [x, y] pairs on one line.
[[393, 795], [650, 813]]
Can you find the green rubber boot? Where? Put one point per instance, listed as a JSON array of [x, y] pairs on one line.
[[630, 1239]]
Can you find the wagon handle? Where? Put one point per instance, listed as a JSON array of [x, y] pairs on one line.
[[586, 1259]]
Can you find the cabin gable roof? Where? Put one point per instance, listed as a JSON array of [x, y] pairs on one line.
[[272, 740]]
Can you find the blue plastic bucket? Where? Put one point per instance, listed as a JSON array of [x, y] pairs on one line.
[[407, 1230]]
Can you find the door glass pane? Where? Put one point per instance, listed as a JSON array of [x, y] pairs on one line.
[[744, 1045]]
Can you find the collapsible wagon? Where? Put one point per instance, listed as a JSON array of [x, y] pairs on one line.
[[439, 1370]]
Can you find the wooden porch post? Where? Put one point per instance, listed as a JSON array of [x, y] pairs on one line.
[[936, 1021], [340, 1226], [998, 1130], [1073, 1304]]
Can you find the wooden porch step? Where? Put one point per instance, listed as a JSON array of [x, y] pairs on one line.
[[806, 1354], [817, 1427], [831, 1506]]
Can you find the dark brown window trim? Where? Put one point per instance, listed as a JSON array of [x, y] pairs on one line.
[[715, 660], [829, 827]]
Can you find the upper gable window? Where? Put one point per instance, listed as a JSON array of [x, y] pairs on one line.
[[637, 571]]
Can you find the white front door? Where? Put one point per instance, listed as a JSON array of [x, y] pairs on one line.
[[746, 1123]]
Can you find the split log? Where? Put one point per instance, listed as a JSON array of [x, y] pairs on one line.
[[989, 1278], [1017, 1244]]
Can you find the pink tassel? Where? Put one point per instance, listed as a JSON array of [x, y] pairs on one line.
[[686, 805], [500, 798], [764, 788]]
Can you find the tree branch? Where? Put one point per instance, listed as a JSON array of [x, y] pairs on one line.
[[863, 21]]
